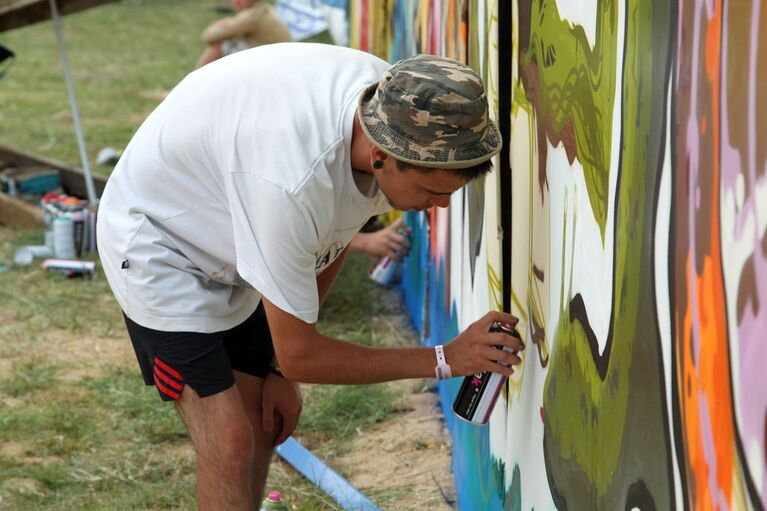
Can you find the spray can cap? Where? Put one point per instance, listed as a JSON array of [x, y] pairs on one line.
[[274, 496]]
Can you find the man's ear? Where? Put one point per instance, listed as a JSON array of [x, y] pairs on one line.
[[377, 155]]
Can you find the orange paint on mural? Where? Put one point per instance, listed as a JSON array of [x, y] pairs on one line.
[[714, 368], [700, 497], [713, 45], [706, 374]]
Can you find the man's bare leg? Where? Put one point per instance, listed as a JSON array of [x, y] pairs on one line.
[[250, 393], [224, 442]]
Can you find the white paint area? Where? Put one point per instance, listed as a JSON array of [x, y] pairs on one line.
[[663, 285], [457, 263], [588, 262], [516, 429], [738, 226], [583, 13]]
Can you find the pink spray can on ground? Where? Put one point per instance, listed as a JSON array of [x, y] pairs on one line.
[[273, 502]]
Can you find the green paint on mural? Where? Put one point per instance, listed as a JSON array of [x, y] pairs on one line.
[[473, 54], [577, 90], [604, 403]]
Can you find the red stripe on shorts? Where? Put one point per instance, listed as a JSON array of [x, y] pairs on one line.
[[167, 368], [159, 374], [165, 390]]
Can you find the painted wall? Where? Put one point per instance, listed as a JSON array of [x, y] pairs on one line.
[[626, 225]]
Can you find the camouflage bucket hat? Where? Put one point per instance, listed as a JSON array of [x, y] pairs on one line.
[[432, 112]]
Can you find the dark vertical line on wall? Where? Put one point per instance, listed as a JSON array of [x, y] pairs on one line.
[[669, 77], [504, 124], [676, 385]]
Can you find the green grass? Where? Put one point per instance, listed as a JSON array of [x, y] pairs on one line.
[[120, 56], [78, 428], [105, 441]]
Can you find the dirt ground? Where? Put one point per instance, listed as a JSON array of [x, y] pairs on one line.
[[411, 449]]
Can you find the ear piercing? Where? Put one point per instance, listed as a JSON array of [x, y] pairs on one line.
[[378, 164]]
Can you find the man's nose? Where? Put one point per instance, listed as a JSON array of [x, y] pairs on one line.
[[441, 201]]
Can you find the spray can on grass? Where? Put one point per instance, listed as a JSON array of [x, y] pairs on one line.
[[273, 502], [479, 392]]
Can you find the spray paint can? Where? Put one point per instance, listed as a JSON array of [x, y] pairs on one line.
[[479, 392], [48, 203], [384, 270], [273, 502], [63, 237], [71, 268]]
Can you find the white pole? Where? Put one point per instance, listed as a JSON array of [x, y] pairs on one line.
[[73, 105]]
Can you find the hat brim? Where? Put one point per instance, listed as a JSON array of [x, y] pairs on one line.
[[461, 158]]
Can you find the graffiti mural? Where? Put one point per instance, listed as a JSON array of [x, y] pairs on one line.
[[626, 226], [718, 261]]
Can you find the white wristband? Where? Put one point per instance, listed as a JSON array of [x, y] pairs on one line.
[[442, 370]]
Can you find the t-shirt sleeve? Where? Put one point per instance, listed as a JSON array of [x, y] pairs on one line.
[[275, 239]]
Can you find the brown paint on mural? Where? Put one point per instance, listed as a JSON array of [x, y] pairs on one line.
[[578, 313], [538, 330], [738, 44], [707, 106], [700, 344], [539, 339], [524, 9], [544, 125], [761, 95], [528, 73], [748, 293]]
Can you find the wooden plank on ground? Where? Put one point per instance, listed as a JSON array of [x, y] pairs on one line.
[[18, 213], [19, 13], [72, 178]]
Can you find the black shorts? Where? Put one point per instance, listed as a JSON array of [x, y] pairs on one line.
[[171, 360]]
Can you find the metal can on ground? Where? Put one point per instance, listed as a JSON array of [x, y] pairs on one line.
[[273, 502]]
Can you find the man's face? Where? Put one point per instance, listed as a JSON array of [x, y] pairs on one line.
[[414, 190], [242, 4]]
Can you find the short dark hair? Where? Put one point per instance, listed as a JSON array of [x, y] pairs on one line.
[[470, 173]]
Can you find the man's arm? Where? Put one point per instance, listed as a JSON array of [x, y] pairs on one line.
[[328, 276], [307, 356], [226, 28], [385, 242]]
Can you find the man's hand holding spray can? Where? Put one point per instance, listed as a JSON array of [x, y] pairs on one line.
[[479, 392]]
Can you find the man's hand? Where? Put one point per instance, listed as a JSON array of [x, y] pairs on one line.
[[473, 352], [284, 397], [385, 242], [222, 23]]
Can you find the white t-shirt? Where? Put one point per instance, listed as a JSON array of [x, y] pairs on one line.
[[238, 185]]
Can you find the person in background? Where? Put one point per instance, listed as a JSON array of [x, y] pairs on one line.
[[255, 23], [391, 241]]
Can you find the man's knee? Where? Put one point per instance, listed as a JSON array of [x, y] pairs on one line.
[[232, 446]]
